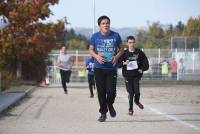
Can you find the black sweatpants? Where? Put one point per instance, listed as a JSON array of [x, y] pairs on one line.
[[106, 80], [133, 89], [91, 83], [65, 78]]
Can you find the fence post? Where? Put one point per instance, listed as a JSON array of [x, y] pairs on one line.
[[76, 62], [185, 43], [159, 55], [199, 42], [171, 43], [193, 60], [177, 76]]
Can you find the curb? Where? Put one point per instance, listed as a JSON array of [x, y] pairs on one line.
[[17, 99]]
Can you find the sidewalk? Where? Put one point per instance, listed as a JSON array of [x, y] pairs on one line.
[[13, 95]]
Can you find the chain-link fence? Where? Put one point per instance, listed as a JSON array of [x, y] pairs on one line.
[[182, 42], [161, 65], [187, 59]]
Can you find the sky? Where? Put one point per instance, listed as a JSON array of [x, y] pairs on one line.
[[125, 13]]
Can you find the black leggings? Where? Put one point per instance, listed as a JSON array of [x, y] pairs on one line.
[[133, 89], [106, 80], [91, 82], [65, 78]]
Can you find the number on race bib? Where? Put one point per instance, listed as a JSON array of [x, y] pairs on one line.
[[132, 65]]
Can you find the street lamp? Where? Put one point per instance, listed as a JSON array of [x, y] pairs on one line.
[[94, 19]]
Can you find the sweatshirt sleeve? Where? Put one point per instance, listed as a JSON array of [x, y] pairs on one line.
[[121, 60], [142, 58]]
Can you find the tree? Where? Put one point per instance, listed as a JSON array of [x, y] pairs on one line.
[[76, 44], [155, 38], [25, 39], [169, 30], [193, 27], [179, 28], [159, 36], [156, 30], [70, 37]]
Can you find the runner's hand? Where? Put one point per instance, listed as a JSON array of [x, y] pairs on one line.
[[140, 71], [114, 60], [126, 62], [59, 65], [100, 59]]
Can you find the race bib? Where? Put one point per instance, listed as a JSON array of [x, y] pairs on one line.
[[132, 65]]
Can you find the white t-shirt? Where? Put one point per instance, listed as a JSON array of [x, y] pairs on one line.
[[65, 60]]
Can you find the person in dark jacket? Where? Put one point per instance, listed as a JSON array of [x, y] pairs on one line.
[[133, 62]]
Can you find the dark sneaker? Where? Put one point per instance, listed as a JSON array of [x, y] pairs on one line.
[[130, 112], [91, 96], [102, 118], [140, 105], [65, 91], [112, 111]]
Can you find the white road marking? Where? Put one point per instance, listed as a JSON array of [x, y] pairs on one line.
[[166, 115], [173, 118]]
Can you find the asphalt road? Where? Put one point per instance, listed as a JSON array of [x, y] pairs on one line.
[[168, 110]]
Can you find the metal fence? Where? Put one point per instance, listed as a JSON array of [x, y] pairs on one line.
[[184, 42], [191, 62]]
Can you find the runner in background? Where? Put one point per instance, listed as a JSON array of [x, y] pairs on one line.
[[65, 62], [90, 68]]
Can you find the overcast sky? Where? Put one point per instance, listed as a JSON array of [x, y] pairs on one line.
[[126, 13]]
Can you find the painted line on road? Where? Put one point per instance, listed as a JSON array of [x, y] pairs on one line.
[[166, 115], [173, 118]]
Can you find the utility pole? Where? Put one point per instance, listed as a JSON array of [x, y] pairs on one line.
[[94, 19]]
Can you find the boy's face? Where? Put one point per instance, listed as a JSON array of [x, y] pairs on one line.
[[131, 43], [105, 26]]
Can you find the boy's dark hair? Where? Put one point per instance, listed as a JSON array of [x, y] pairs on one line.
[[102, 18], [130, 38], [63, 46]]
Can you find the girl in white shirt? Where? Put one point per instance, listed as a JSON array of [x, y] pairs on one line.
[[65, 63]]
